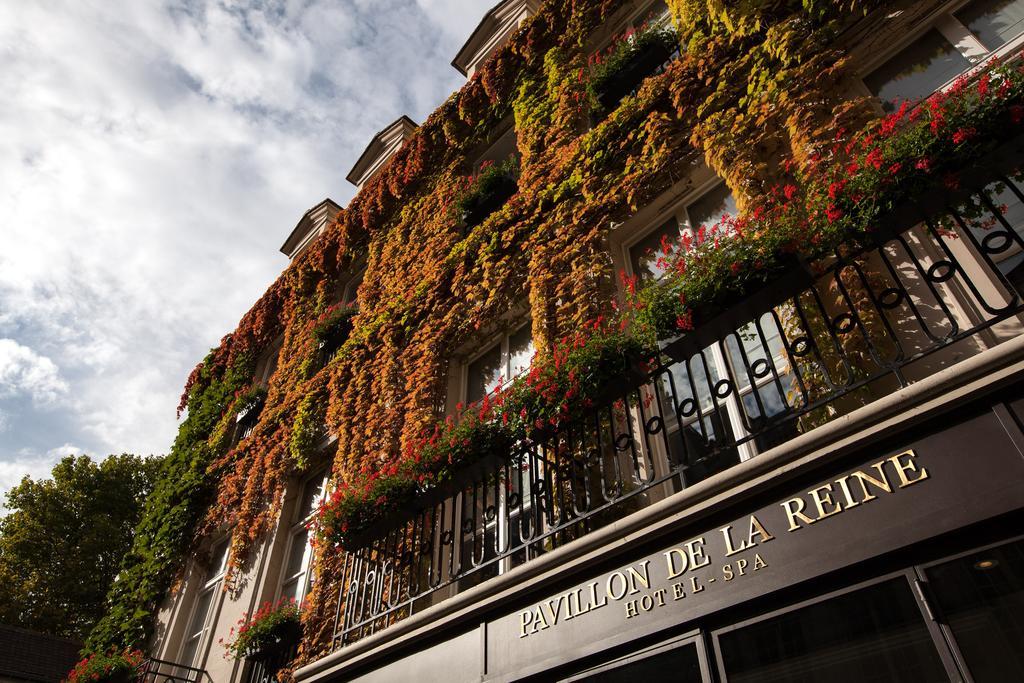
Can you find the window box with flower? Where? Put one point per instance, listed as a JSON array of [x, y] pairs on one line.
[[113, 667], [268, 636], [488, 191], [332, 328], [632, 57]]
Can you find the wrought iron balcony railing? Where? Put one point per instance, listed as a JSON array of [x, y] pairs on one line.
[[938, 286], [265, 667], [160, 671]]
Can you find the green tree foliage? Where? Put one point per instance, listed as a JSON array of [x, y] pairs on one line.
[[62, 542]]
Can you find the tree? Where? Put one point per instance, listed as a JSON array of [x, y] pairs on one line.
[[62, 543]]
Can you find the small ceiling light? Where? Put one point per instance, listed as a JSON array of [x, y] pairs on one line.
[[985, 564]]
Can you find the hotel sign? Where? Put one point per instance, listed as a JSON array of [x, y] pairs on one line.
[[731, 553], [940, 483]]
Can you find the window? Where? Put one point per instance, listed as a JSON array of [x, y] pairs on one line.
[[504, 360], [956, 41], [200, 621], [350, 294], [706, 210], [873, 634], [296, 578], [267, 364], [705, 421], [981, 599]]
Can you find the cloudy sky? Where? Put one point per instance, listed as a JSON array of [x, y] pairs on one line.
[[154, 155]]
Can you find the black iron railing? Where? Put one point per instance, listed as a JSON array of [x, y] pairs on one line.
[[160, 671], [937, 287], [265, 667]]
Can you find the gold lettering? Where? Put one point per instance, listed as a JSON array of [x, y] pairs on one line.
[[643, 577], [792, 514], [646, 603], [757, 529], [727, 572], [631, 609], [678, 593], [695, 549], [909, 466], [594, 602], [850, 500], [729, 550], [740, 566], [881, 484], [660, 595], [759, 561], [820, 502], [670, 560], [553, 609], [538, 620], [609, 586], [525, 619], [694, 586]]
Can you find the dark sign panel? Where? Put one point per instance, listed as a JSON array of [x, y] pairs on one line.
[[935, 485]]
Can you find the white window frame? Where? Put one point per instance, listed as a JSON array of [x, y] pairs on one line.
[[503, 340], [302, 578], [957, 34], [211, 586], [715, 358]]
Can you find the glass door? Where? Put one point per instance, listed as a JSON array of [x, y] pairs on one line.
[[879, 633], [978, 599], [681, 660]]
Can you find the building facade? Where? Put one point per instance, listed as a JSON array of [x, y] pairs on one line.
[[820, 479]]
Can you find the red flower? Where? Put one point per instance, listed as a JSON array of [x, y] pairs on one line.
[[789, 191], [963, 135]]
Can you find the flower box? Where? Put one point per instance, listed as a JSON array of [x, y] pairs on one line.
[[421, 499], [632, 62], [278, 645], [737, 308], [479, 205]]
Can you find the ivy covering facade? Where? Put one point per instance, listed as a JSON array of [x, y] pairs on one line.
[[756, 83]]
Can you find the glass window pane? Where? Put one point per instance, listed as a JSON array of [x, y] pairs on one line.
[[645, 254], [311, 493], [290, 589], [218, 560], [201, 612], [711, 207], [993, 22], [916, 72], [875, 634], [981, 598], [483, 374], [680, 664], [520, 351], [189, 652], [656, 14], [296, 554]]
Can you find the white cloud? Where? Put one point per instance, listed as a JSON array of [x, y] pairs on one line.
[[153, 157], [24, 372]]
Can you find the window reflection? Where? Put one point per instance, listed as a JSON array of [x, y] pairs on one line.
[[994, 22], [917, 71]]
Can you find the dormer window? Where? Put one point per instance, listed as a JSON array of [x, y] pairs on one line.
[[312, 223], [382, 147], [493, 31]]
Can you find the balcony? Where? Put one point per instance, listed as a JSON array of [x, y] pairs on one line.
[[934, 287], [160, 671]]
